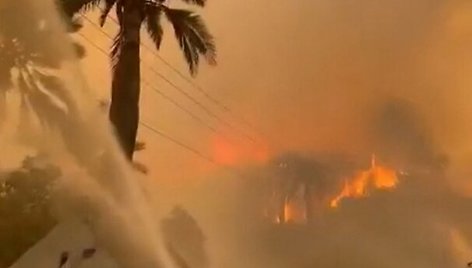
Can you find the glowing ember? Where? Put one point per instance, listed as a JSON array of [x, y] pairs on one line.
[[377, 177]]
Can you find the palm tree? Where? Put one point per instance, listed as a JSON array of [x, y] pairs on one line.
[[29, 59], [192, 35]]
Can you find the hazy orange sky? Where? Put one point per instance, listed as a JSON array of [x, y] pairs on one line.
[[307, 75], [310, 75]]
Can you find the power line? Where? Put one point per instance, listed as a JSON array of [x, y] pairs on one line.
[[161, 133], [187, 111], [178, 72], [166, 97], [183, 92], [201, 105], [164, 135], [154, 130], [198, 87], [192, 83], [158, 91], [177, 142], [189, 148], [181, 107]]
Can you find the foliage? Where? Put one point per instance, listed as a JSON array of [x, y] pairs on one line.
[[29, 57], [24, 208], [191, 32]]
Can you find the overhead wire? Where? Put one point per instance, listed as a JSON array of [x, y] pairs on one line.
[[166, 97], [179, 89], [177, 142], [160, 132], [191, 82]]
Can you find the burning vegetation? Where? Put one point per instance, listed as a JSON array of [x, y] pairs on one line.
[[376, 177], [303, 189]]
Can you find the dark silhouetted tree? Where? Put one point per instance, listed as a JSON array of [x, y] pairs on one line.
[[25, 208], [192, 35]]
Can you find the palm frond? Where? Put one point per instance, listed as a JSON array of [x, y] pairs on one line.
[[193, 37], [116, 49], [25, 122], [24, 85], [119, 12], [195, 2], [153, 24], [54, 86], [106, 10], [47, 98]]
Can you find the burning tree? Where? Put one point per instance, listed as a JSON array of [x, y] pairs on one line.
[[303, 187], [377, 177], [301, 180]]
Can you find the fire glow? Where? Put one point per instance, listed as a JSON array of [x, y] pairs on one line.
[[298, 208], [294, 212], [377, 177], [227, 153]]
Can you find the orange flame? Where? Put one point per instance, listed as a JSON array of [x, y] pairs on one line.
[[378, 177]]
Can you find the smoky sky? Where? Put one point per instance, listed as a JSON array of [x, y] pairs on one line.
[[309, 75], [322, 66], [344, 76], [356, 77]]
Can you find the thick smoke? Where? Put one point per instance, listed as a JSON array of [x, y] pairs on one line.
[[403, 138], [45, 91], [330, 83], [324, 66], [420, 223], [350, 78]]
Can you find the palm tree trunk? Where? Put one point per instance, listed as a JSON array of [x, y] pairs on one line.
[[124, 109]]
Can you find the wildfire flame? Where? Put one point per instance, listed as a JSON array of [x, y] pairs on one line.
[[377, 177], [294, 208]]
